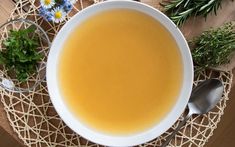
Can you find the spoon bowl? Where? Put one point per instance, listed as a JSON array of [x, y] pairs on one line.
[[205, 96]]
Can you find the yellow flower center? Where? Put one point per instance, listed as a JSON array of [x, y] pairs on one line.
[[58, 14], [47, 2]]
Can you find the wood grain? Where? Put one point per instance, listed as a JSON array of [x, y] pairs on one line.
[[6, 6], [223, 135], [6, 140]]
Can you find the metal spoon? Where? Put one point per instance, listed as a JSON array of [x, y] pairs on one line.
[[203, 98]]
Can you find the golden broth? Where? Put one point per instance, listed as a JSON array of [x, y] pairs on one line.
[[120, 71]]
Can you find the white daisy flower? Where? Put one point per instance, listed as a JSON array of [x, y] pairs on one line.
[[47, 3], [58, 15]]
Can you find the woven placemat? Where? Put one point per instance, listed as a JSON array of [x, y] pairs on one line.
[[34, 119]]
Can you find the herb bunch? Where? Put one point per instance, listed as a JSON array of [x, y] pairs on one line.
[[180, 10], [214, 47], [20, 56]]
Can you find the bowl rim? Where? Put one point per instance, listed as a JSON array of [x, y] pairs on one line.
[[106, 139]]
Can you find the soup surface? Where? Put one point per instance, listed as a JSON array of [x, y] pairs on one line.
[[120, 72]]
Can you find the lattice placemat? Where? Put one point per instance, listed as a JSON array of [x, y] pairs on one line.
[[35, 121]]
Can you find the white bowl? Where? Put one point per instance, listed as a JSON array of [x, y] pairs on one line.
[[111, 140]]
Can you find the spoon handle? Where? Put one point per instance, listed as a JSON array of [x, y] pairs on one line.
[[176, 130]]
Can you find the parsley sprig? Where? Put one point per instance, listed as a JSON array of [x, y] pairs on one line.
[[20, 55]]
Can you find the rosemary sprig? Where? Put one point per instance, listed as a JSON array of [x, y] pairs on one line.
[[214, 47], [180, 10]]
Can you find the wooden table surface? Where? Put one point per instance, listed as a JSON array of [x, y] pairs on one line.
[[224, 135]]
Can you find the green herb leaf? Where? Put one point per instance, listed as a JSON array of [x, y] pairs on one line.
[[214, 47], [20, 55], [180, 10]]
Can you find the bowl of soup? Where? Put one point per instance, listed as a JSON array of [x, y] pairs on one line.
[[119, 73]]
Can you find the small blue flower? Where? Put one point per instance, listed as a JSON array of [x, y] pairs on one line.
[[67, 6], [49, 17], [42, 11], [46, 14], [64, 1]]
